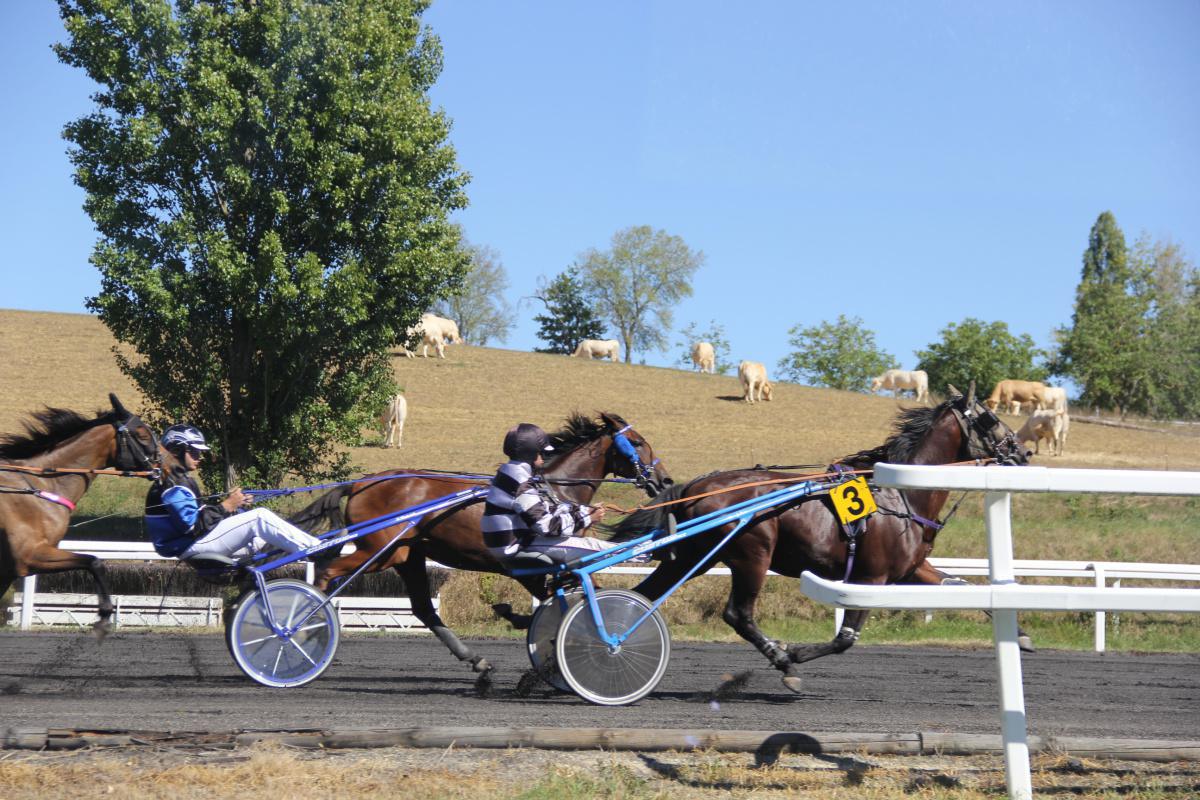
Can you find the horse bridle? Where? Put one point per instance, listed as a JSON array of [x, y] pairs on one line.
[[645, 478], [979, 424], [132, 453]]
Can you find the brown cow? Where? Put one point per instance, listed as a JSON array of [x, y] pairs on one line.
[[1010, 395]]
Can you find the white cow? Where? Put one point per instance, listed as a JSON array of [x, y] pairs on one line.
[[704, 357], [755, 385], [598, 348], [1055, 397], [392, 420], [900, 379], [434, 331], [1048, 424]]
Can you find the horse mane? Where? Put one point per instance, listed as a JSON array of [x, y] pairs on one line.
[[579, 430], [48, 428], [911, 427]]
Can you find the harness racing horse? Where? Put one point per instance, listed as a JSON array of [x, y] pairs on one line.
[[44, 473], [807, 535], [585, 451]]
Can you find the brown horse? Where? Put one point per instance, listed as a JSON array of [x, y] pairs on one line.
[[806, 534], [44, 473], [585, 451]]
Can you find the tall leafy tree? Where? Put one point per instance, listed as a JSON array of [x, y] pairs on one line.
[[1173, 286], [840, 354], [272, 187], [714, 334], [983, 352], [1105, 349], [569, 317], [479, 305], [635, 283]]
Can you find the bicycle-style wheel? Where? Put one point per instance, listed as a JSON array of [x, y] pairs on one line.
[[613, 676], [543, 633], [279, 660]]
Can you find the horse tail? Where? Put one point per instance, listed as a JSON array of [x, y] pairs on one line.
[[324, 513], [644, 520]]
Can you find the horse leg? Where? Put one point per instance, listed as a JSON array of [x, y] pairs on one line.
[[536, 586], [739, 615], [847, 635], [46, 559], [930, 575], [416, 582], [339, 567]]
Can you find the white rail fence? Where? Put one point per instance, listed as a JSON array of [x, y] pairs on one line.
[[1004, 597], [379, 613]]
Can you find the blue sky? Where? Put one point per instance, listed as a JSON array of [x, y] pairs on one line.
[[910, 164]]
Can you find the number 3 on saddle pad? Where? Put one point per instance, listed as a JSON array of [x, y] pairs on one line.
[[852, 500]]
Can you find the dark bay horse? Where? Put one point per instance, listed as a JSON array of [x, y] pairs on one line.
[[43, 474], [585, 451], [806, 534]]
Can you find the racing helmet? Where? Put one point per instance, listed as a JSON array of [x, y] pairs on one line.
[[525, 441], [183, 437]]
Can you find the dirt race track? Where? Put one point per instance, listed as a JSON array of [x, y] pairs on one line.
[[188, 682]]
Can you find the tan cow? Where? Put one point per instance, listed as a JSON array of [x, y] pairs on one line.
[[598, 348], [900, 379], [1010, 395], [1048, 424], [755, 385], [704, 357], [392, 420]]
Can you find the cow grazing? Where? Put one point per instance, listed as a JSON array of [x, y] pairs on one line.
[[1010, 395], [755, 385], [1055, 398], [435, 332], [598, 348], [704, 358], [392, 420], [898, 380], [1048, 424]]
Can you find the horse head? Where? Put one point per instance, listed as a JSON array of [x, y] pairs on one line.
[[136, 442], [632, 457], [984, 435]]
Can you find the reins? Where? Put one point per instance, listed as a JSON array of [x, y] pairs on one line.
[[51, 471], [775, 481]]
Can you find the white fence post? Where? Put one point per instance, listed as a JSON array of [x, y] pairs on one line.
[[997, 508], [29, 586], [1101, 616]]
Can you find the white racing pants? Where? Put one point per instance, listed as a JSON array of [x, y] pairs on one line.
[[248, 533]]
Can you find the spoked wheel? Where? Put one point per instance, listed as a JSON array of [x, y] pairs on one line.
[[543, 633], [288, 659], [613, 676]]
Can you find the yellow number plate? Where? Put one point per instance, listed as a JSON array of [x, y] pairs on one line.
[[852, 500]]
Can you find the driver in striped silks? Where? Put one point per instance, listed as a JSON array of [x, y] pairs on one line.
[[520, 518]]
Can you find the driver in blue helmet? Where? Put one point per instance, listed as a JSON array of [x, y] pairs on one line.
[[181, 526], [519, 517]]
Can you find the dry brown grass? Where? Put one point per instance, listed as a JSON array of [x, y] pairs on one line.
[[460, 407]]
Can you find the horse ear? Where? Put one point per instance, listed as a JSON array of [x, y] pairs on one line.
[[611, 420], [116, 404], [954, 393]]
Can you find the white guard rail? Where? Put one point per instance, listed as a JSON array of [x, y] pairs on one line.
[[1004, 597]]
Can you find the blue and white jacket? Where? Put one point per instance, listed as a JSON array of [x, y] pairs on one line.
[[175, 516]]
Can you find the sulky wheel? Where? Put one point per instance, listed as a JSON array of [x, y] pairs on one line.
[[302, 652], [613, 676], [543, 633]]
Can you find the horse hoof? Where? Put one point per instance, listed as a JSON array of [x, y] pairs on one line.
[[101, 628], [481, 665], [502, 610], [792, 682], [1025, 643]]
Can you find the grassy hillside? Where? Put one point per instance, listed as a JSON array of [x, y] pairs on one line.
[[460, 407]]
